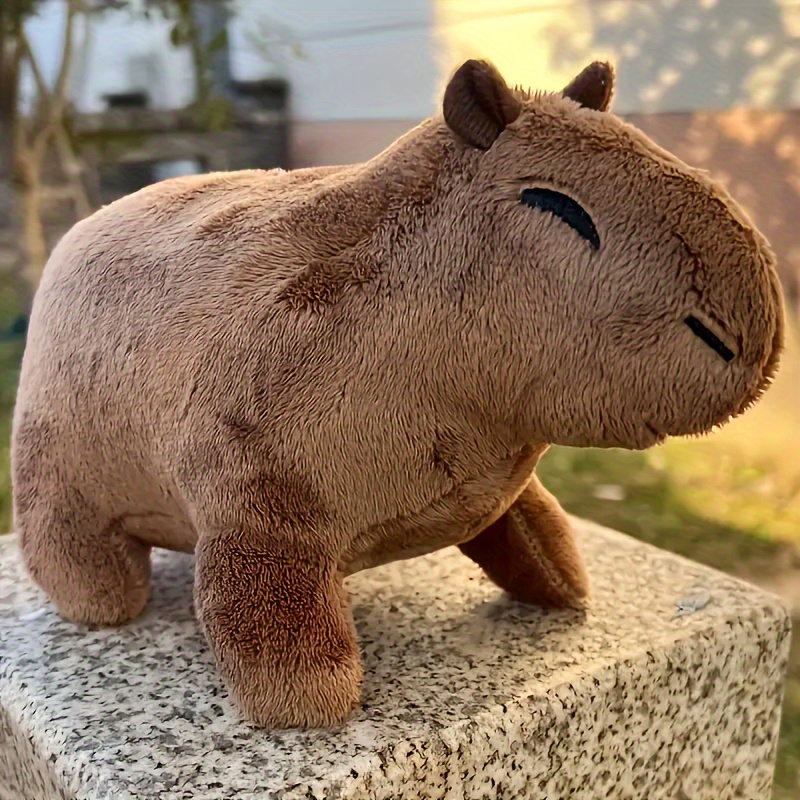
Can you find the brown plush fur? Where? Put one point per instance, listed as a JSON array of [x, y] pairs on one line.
[[303, 374]]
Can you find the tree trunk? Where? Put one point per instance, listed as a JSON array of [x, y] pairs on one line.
[[32, 141], [73, 173], [33, 233]]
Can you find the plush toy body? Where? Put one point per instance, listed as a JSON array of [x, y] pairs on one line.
[[298, 375]]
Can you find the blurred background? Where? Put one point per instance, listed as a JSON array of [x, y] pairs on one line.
[[99, 98]]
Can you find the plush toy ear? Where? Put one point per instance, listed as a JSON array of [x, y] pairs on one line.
[[478, 105], [593, 87]]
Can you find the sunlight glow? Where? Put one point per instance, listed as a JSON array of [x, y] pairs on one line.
[[542, 48]]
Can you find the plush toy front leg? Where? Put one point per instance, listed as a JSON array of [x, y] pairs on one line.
[[278, 622], [531, 552]]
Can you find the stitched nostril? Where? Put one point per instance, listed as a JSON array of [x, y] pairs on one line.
[[709, 337]]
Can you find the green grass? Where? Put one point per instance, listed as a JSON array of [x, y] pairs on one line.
[[787, 769], [9, 371], [10, 357], [653, 508]]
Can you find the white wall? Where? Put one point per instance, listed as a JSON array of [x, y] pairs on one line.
[[360, 59], [121, 53], [387, 59]]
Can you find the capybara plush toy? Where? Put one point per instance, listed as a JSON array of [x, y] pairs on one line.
[[299, 375]]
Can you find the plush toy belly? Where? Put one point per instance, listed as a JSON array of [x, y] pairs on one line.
[[452, 519]]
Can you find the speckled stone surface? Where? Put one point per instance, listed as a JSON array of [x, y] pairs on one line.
[[669, 687]]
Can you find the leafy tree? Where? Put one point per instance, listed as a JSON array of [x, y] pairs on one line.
[[32, 140], [41, 132]]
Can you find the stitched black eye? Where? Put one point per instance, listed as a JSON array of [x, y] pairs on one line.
[[565, 208], [710, 338]]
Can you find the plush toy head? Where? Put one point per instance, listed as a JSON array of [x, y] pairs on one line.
[[624, 294]]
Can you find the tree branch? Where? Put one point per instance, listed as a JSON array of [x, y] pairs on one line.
[[60, 90], [52, 103]]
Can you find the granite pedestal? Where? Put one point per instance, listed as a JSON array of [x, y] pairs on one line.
[[667, 688]]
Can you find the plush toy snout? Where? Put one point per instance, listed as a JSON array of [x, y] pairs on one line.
[[734, 362]]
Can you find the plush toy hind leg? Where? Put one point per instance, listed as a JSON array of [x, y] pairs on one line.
[[278, 622], [88, 566], [531, 552]]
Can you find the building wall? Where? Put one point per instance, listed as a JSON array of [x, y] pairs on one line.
[[350, 59], [360, 59], [118, 52], [672, 55], [370, 59]]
